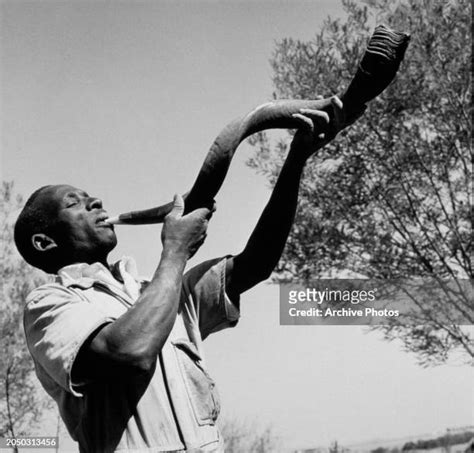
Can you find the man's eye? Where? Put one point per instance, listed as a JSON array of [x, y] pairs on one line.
[[71, 204]]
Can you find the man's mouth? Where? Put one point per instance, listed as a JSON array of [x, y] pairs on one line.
[[101, 220]]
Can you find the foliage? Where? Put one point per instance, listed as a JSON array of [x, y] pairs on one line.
[[385, 450], [390, 198], [442, 441], [241, 437], [21, 401]]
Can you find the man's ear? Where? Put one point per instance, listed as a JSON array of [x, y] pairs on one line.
[[42, 243]]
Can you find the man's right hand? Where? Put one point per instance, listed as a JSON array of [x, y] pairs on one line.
[[184, 234], [133, 341]]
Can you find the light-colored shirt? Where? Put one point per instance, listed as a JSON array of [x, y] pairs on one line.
[[173, 410]]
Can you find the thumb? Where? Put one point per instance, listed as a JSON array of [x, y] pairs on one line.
[[178, 206]]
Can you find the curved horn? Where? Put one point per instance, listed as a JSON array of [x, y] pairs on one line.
[[385, 52]]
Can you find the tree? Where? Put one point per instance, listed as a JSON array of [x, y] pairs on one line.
[[21, 401], [390, 198], [444, 442]]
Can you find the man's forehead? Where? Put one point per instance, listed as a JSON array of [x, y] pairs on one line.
[[59, 191]]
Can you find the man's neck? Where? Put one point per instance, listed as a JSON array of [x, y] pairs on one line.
[[87, 260]]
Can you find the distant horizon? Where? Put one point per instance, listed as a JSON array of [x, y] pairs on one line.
[[408, 438]]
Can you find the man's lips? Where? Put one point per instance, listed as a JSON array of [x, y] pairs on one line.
[[101, 220]]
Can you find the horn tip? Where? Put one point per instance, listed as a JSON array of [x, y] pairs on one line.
[[113, 220]]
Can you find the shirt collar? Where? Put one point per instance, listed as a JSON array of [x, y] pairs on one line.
[[122, 277]]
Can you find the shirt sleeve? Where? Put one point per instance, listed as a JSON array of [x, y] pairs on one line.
[[57, 322], [206, 299]]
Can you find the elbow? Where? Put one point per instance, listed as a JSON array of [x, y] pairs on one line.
[[136, 364], [142, 364], [141, 359], [108, 352], [133, 360]]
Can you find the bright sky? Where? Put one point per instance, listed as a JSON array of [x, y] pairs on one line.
[[123, 99]]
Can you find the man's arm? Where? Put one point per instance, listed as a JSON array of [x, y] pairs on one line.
[[265, 246], [133, 341]]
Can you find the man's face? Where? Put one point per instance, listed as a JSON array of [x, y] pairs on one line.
[[81, 230]]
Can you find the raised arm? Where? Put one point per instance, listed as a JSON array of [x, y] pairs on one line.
[[133, 342], [265, 246]]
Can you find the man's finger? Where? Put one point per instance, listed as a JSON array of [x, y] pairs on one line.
[[321, 117], [178, 206]]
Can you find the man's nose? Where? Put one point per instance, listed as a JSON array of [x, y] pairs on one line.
[[94, 203]]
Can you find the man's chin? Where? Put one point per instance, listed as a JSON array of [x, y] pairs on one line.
[[108, 241], [113, 242]]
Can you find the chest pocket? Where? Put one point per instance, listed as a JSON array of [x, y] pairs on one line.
[[200, 386]]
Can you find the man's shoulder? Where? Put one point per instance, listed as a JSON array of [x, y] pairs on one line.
[[45, 290]]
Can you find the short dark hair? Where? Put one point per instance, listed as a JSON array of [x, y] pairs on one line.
[[36, 217]]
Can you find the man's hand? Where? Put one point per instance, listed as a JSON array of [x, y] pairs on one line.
[[184, 234], [133, 341], [317, 129]]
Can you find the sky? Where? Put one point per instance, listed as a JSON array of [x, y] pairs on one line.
[[123, 99]]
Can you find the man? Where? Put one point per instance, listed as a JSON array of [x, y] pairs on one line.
[[123, 358]]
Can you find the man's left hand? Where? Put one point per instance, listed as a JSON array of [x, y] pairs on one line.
[[317, 128]]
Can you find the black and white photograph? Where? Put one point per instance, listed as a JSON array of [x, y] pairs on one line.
[[239, 226]]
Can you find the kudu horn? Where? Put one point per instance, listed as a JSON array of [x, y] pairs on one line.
[[376, 70]]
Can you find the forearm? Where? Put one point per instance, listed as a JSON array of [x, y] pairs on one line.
[[136, 338], [266, 243]]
